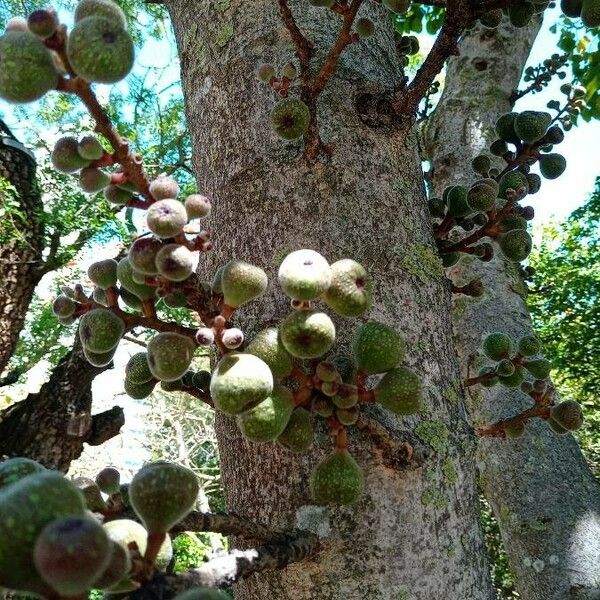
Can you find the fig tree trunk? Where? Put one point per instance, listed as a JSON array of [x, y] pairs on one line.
[[21, 240], [415, 533], [543, 494]]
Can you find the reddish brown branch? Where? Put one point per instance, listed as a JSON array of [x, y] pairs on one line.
[[304, 48], [498, 429]]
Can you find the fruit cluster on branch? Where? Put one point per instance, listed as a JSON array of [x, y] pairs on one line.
[[520, 366]]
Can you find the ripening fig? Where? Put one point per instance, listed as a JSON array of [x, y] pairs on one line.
[[531, 125], [100, 330], [71, 553], [137, 370], [166, 218], [232, 338], [505, 128], [540, 368], [267, 345], [325, 371], [205, 336], [514, 180], [27, 69], [242, 282], [514, 380], [99, 359], [142, 254], [482, 195], [497, 346], [346, 396], [175, 262], [515, 430], [164, 188], [568, 414], [92, 180], [377, 348], [64, 306], [290, 118], [119, 565], [26, 507], [364, 27], [43, 22], [91, 494], [126, 532], [100, 8], [202, 593], [323, 406], [304, 275], [239, 382], [116, 195], [170, 355], [529, 345], [516, 245], [337, 479], [125, 274], [14, 469], [162, 494], [103, 273], [90, 148], [307, 333], [299, 433], [350, 291], [100, 50], [400, 391], [197, 206], [267, 420], [397, 6], [347, 416], [65, 157], [552, 165]]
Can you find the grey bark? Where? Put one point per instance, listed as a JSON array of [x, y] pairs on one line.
[[539, 486], [415, 534]]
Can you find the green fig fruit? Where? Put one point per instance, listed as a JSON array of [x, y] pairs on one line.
[[540, 368], [267, 420], [239, 382], [15, 469], [100, 8], [166, 218], [137, 370], [100, 330], [529, 345], [377, 348], [497, 346], [516, 245], [304, 275], [552, 165], [142, 254], [514, 380], [242, 282], [337, 479], [268, 347], [125, 273], [350, 292], [290, 118], [568, 414], [307, 333], [531, 125], [162, 494], [103, 273], [170, 355], [119, 565], [400, 391], [299, 433]]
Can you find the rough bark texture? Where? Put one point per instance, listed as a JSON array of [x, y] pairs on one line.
[[20, 257], [541, 490], [52, 425], [415, 533]]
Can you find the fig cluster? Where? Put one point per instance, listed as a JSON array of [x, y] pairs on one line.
[[520, 365], [98, 49], [64, 538], [490, 207]]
